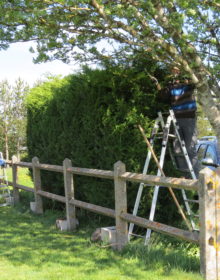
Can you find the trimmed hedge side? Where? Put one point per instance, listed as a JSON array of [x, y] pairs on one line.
[[91, 118]]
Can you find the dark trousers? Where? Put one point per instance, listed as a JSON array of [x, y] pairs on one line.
[[188, 132]]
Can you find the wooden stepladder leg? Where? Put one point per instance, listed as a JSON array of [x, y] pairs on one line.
[[209, 242]]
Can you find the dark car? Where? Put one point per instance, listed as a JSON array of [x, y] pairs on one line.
[[208, 152]]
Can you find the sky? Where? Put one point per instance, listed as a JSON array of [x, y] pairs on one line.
[[17, 62]]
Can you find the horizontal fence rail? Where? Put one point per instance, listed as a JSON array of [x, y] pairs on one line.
[[207, 186], [53, 196], [162, 228], [176, 183], [151, 180], [93, 208], [105, 174]]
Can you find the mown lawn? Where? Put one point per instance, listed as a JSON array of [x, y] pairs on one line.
[[24, 177], [32, 248]]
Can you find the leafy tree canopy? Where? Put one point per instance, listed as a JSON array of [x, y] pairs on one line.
[[174, 32]]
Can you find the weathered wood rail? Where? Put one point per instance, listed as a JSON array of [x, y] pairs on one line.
[[208, 187]]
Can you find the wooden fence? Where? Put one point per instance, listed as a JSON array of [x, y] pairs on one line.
[[208, 187]]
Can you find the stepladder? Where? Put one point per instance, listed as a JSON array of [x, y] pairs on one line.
[[5, 193], [167, 131]]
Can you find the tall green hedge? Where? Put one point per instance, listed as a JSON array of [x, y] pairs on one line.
[[91, 118]]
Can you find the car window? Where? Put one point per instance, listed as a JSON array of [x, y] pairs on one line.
[[201, 151], [200, 154], [210, 153]]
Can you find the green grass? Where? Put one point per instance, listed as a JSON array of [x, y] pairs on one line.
[[24, 177], [32, 248]]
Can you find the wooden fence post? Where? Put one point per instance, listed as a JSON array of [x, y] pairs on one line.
[[16, 195], [37, 186], [120, 206], [69, 194], [207, 216]]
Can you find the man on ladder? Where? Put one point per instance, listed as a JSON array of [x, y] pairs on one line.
[[179, 93]]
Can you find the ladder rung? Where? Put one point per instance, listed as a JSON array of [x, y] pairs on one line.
[[3, 186], [191, 200], [178, 155], [138, 235], [172, 135], [194, 215], [5, 204], [5, 195], [183, 170]]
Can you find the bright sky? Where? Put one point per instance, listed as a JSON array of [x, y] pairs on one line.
[[17, 62]]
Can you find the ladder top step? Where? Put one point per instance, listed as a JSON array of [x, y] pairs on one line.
[[162, 133]]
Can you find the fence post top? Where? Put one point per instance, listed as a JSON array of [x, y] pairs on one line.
[[118, 163], [14, 159], [208, 172], [35, 160], [119, 167], [67, 162]]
